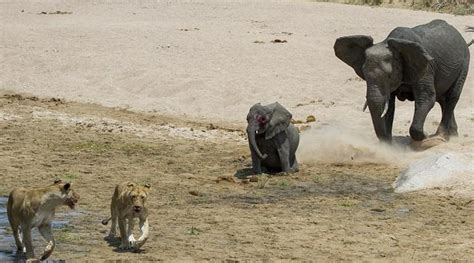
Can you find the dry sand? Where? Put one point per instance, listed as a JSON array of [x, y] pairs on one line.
[[190, 63]]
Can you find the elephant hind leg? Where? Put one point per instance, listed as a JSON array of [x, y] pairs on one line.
[[295, 167], [448, 126], [444, 130]]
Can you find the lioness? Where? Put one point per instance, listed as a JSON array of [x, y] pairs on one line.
[[128, 203], [28, 208]]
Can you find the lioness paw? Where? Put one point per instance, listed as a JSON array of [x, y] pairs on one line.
[[124, 247]]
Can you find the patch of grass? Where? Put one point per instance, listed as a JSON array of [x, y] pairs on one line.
[[92, 147], [69, 176], [316, 179], [284, 184], [66, 234], [130, 149], [348, 203], [193, 231], [262, 181]]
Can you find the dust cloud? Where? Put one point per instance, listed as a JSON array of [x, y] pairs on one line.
[[337, 143]]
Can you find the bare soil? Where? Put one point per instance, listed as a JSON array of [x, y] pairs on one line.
[[201, 209]]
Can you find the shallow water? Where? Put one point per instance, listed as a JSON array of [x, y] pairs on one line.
[[7, 243]]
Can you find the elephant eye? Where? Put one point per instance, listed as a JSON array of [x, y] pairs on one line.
[[261, 119]]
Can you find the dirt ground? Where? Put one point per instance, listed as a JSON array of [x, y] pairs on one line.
[[201, 210]]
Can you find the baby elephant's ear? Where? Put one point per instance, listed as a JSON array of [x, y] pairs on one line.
[[67, 186], [279, 121]]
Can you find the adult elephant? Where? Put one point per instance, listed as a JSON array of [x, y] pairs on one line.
[[426, 63]]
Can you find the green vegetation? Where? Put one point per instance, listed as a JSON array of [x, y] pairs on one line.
[[456, 7]]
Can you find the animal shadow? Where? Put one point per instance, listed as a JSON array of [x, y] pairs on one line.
[[246, 172], [243, 173], [115, 243]]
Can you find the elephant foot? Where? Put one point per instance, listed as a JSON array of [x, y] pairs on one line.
[[417, 135], [427, 143]]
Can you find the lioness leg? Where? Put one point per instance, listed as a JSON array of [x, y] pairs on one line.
[[144, 229], [113, 227], [123, 233], [26, 230], [17, 236], [130, 226], [45, 231]]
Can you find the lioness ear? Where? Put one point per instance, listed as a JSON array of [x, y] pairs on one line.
[[67, 186], [130, 184], [58, 181], [147, 186]]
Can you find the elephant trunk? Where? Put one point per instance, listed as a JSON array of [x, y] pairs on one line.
[[378, 107], [252, 131]]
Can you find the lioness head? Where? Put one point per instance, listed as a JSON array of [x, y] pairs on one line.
[[137, 196], [66, 194]]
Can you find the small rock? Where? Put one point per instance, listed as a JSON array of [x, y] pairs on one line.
[[379, 210], [253, 179], [195, 193], [279, 41], [310, 118]]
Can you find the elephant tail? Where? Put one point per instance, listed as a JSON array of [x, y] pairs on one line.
[[470, 43]]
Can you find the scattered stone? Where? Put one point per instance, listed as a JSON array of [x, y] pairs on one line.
[[310, 118], [195, 193], [259, 42], [378, 210], [293, 121], [225, 178], [253, 179], [278, 41]]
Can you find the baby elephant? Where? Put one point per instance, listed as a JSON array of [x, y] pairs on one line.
[[273, 140]]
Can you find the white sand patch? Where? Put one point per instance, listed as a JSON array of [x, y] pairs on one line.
[[153, 131], [439, 170], [5, 116]]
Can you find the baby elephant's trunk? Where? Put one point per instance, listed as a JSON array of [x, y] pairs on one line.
[[251, 131]]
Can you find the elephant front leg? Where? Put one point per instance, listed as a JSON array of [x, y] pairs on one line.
[[424, 102], [284, 155]]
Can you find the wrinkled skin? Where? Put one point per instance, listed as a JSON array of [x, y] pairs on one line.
[[30, 208], [273, 140], [425, 64]]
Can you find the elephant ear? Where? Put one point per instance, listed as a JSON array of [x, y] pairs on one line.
[[351, 50], [279, 121], [252, 111], [415, 58]]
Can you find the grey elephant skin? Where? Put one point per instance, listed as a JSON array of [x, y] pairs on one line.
[[424, 64], [273, 140]]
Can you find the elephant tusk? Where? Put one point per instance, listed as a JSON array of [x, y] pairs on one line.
[[365, 106], [385, 109]]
